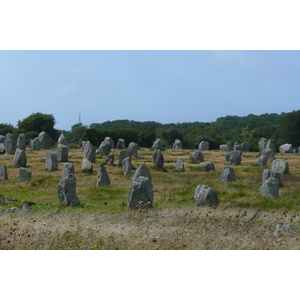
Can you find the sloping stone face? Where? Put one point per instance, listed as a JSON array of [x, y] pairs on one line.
[[35, 144], [179, 165], [102, 177], [229, 146], [21, 142], [280, 166], [62, 140], [234, 157], [45, 140], [3, 172], [262, 160], [286, 148], [157, 144], [227, 174], [133, 148], [158, 159], [110, 158], [123, 154], [89, 152], [141, 190], [142, 170], [62, 153], [269, 188], [246, 147], [207, 166], [67, 169], [10, 144], [204, 145], [205, 196], [196, 156], [24, 175], [86, 166], [177, 144], [126, 166], [110, 141], [121, 144], [51, 161], [104, 148], [19, 159], [67, 191]]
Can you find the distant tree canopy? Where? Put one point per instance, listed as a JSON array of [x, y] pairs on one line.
[[6, 128], [290, 127]]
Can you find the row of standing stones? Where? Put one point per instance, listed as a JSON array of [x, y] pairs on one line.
[[141, 190]]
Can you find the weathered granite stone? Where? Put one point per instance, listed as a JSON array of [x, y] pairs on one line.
[[262, 145], [246, 147], [270, 173], [123, 154], [265, 175], [51, 161], [177, 144], [262, 160], [205, 196], [86, 166], [141, 191], [237, 146], [10, 144], [269, 188], [227, 174], [110, 141], [270, 145], [104, 148], [223, 147], [121, 144], [24, 175], [207, 166], [62, 140], [89, 152], [157, 144], [229, 146], [133, 148], [67, 169], [280, 166], [21, 142], [45, 140], [286, 148], [19, 159], [204, 145], [35, 144], [3, 172], [196, 156], [102, 177], [269, 153], [110, 158], [2, 138], [62, 153], [158, 159], [2, 148], [67, 191], [179, 165], [126, 166], [142, 170], [234, 157]]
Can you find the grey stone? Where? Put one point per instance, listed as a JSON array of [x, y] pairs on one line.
[[62, 140], [227, 174], [271, 173], [86, 166], [262, 160], [270, 145], [19, 159], [265, 175], [158, 159], [67, 169], [269, 188], [141, 191], [104, 148], [110, 141], [282, 228], [123, 154], [280, 166], [237, 146], [62, 153], [2, 138], [45, 140], [179, 165], [67, 191], [89, 152], [157, 144], [142, 170], [110, 158], [35, 144], [102, 177], [204, 145], [207, 166], [177, 144], [3, 172], [10, 144], [223, 147], [121, 144], [2, 148], [229, 146], [133, 148], [205, 196], [286, 148], [21, 142], [126, 166], [51, 161], [269, 153], [234, 157], [24, 175], [262, 145], [246, 147], [196, 156]]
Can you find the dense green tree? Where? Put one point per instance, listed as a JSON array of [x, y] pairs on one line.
[[290, 128], [6, 128]]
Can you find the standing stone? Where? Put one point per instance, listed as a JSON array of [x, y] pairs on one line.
[[237, 146], [229, 146], [204, 145], [126, 166], [246, 147], [86, 166], [89, 152], [110, 141], [19, 159], [110, 158], [158, 159], [207, 166], [179, 165], [286, 148], [141, 191], [223, 147], [2, 148], [123, 154], [205, 196], [270, 173], [62, 140], [234, 157], [45, 140], [104, 148], [121, 144], [51, 161], [3, 172], [262, 160], [133, 148], [269, 188], [262, 145], [265, 175], [67, 169], [35, 144], [280, 166], [62, 153], [10, 144], [24, 175], [21, 142], [270, 145], [227, 174], [177, 144], [67, 191], [196, 156], [102, 177], [157, 144], [2, 138], [269, 153], [142, 170]]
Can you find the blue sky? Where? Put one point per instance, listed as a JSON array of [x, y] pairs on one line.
[[164, 86]]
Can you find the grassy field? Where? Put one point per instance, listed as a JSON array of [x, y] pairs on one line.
[[243, 219]]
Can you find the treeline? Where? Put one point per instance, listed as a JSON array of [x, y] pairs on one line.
[[281, 128]]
